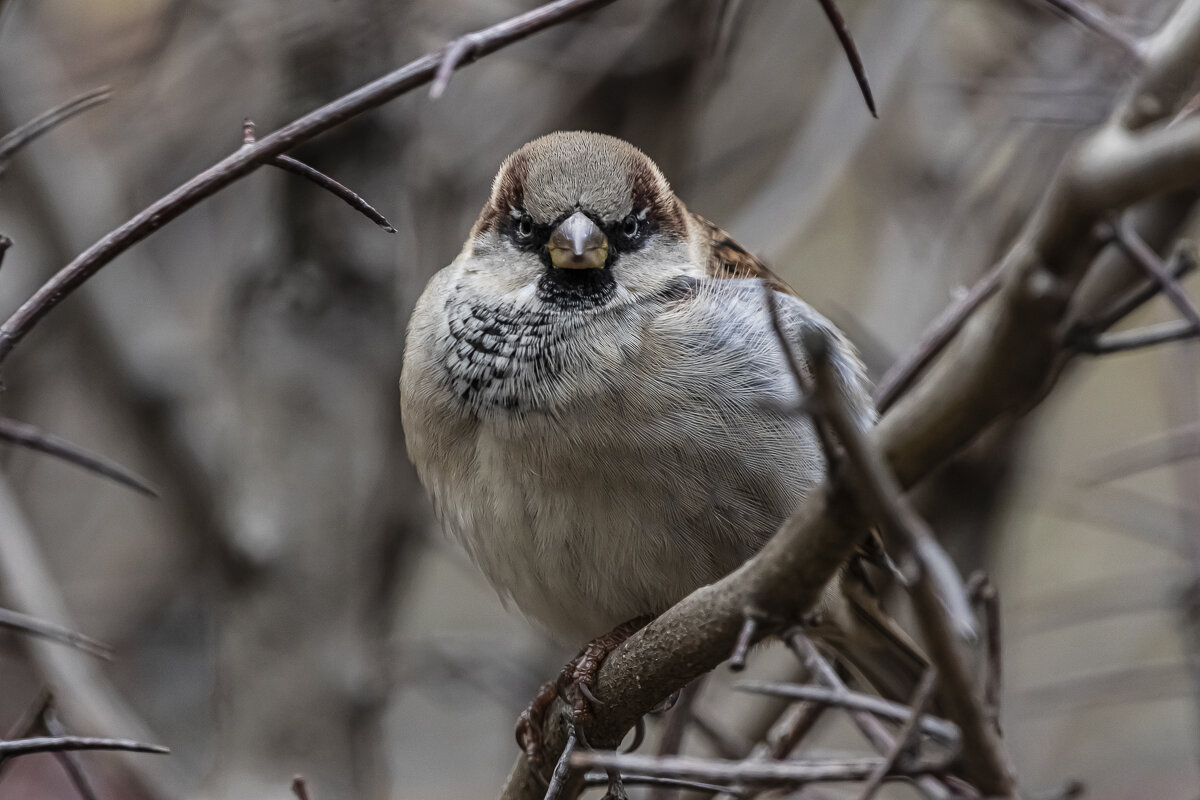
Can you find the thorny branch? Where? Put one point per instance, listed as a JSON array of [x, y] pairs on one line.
[[1002, 360]]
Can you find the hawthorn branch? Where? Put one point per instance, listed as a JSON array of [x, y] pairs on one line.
[[1003, 360], [245, 160]]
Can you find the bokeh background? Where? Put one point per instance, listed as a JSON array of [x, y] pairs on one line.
[[288, 605]]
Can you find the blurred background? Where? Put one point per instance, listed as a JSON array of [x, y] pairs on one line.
[[288, 605]]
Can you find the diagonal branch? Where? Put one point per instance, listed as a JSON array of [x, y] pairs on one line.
[[34, 438], [247, 159], [14, 141], [1003, 360]]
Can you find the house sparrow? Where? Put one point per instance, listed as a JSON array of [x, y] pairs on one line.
[[594, 397]]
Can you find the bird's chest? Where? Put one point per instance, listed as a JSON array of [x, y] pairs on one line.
[[592, 479]]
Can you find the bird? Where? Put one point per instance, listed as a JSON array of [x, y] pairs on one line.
[[595, 399]]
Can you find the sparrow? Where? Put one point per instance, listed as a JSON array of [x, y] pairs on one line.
[[595, 399]]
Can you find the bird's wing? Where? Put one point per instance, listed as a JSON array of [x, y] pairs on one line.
[[728, 259]]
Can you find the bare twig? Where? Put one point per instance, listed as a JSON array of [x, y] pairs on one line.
[[1147, 259], [14, 141], [55, 744], [675, 725], [67, 758], [906, 739], [983, 592], [603, 779], [847, 42], [1183, 261], [34, 438], [562, 770], [247, 159], [746, 637], [14, 620], [1177, 444], [1176, 330], [289, 164], [854, 701], [456, 54], [755, 773], [5, 243], [1095, 20], [934, 340]]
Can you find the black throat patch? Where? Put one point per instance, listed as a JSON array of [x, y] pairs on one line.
[[576, 289]]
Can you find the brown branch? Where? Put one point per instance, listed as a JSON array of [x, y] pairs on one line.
[[851, 50], [16, 621], [1182, 262], [34, 438], [56, 744], [854, 701], [906, 739], [775, 774], [905, 371], [14, 141], [289, 164], [1140, 338], [247, 159], [1148, 260], [1003, 360]]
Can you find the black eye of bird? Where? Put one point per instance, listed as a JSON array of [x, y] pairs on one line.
[[525, 226], [630, 227]]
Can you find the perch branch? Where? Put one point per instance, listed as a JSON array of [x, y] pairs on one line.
[[1004, 358]]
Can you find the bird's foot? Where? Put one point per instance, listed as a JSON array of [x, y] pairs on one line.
[[574, 685]]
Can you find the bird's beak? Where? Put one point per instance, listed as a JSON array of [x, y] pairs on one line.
[[578, 243]]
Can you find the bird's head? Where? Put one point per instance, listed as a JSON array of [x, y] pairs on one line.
[[577, 220]]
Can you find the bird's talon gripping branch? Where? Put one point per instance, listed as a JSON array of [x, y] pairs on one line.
[[574, 685]]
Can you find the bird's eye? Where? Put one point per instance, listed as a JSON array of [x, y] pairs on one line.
[[630, 227], [525, 226]]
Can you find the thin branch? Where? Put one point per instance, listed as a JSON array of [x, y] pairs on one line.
[[67, 758], [755, 773], [562, 770], [57, 744], [453, 55], [983, 592], [1183, 261], [289, 164], [907, 738], [1095, 20], [675, 725], [1141, 254], [603, 779], [877, 485], [904, 372], [34, 438], [247, 159], [1177, 444], [23, 623], [5, 243], [853, 701], [851, 50], [1177, 330], [14, 141]]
